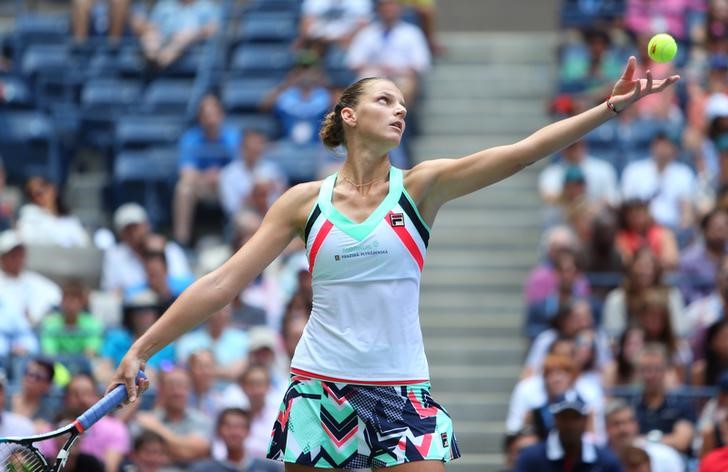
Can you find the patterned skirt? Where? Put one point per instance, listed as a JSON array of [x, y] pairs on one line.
[[338, 425]]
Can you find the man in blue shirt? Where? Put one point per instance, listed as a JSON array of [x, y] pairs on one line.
[[565, 450], [204, 149]]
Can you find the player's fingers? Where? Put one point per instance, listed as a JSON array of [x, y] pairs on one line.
[[131, 389], [143, 386], [648, 85], [637, 92], [630, 68], [667, 82]]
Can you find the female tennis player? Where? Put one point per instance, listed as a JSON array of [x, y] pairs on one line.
[[359, 388]]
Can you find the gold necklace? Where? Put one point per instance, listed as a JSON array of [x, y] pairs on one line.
[[358, 186]]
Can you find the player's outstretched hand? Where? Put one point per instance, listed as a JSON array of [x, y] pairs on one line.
[[629, 89], [126, 375]]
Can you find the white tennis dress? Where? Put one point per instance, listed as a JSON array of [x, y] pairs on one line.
[[364, 326]]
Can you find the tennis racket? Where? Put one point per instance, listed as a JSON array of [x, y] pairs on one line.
[[22, 455]]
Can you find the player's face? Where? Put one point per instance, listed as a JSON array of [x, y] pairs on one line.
[[381, 112]]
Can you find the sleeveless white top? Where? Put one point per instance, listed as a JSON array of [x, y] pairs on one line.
[[364, 327]]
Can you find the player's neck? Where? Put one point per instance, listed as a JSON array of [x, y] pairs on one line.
[[363, 168]]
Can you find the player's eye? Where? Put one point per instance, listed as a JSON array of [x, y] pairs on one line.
[[383, 99]]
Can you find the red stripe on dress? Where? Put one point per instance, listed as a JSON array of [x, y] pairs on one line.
[[326, 378], [323, 232], [407, 240]]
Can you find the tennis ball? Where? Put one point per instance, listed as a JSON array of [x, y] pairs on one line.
[[662, 47]]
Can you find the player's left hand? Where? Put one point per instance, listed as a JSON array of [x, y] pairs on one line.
[[628, 90]]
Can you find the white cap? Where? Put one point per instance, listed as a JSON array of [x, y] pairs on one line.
[[260, 337], [9, 240], [128, 214], [716, 106]]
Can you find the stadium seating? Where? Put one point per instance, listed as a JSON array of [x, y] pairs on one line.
[[168, 96], [273, 5], [29, 145], [245, 95], [15, 92], [31, 29], [264, 60], [147, 177], [299, 162], [102, 101], [259, 121], [137, 132], [281, 27]]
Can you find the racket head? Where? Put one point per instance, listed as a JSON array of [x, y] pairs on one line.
[[21, 456]]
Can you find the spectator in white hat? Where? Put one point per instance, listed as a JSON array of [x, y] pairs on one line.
[[123, 263], [24, 293]]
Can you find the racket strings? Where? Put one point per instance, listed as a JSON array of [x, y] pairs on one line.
[[20, 458]]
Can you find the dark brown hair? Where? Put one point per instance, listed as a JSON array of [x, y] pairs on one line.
[[332, 129]]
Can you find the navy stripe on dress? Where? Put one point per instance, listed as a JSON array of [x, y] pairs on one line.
[[409, 209], [309, 224]]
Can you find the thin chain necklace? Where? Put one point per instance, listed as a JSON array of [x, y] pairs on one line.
[[358, 186]]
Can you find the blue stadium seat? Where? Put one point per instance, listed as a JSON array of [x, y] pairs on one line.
[[29, 145], [341, 78], [147, 177], [336, 70], [245, 95], [153, 164], [266, 26], [273, 5], [44, 57], [105, 96], [102, 102], [262, 60], [58, 88], [66, 118], [300, 162], [136, 132], [15, 92], [171, 96], [53, 72], [263, 122], [33, 29]]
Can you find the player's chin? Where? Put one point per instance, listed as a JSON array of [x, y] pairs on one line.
[[393, 136]]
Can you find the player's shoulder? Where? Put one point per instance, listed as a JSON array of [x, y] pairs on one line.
[[298, 200], [304, 191]]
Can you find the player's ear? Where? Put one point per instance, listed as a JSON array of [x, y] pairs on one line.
[[348, 116]]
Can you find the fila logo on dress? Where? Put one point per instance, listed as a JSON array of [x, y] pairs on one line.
[[396, 219]]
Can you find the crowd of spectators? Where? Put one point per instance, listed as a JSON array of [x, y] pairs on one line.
[[627, 366], [215, 391]]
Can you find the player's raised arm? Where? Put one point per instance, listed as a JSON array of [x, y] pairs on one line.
[[452, 178], [215, 290]]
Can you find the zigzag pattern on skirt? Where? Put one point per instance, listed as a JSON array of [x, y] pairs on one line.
[[336, 425]]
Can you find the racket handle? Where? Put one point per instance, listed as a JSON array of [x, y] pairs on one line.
[[102, 407]]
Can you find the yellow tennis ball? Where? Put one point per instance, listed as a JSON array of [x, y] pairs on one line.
[[662, 47]]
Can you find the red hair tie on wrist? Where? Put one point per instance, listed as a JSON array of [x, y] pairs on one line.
[[611, 106]]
